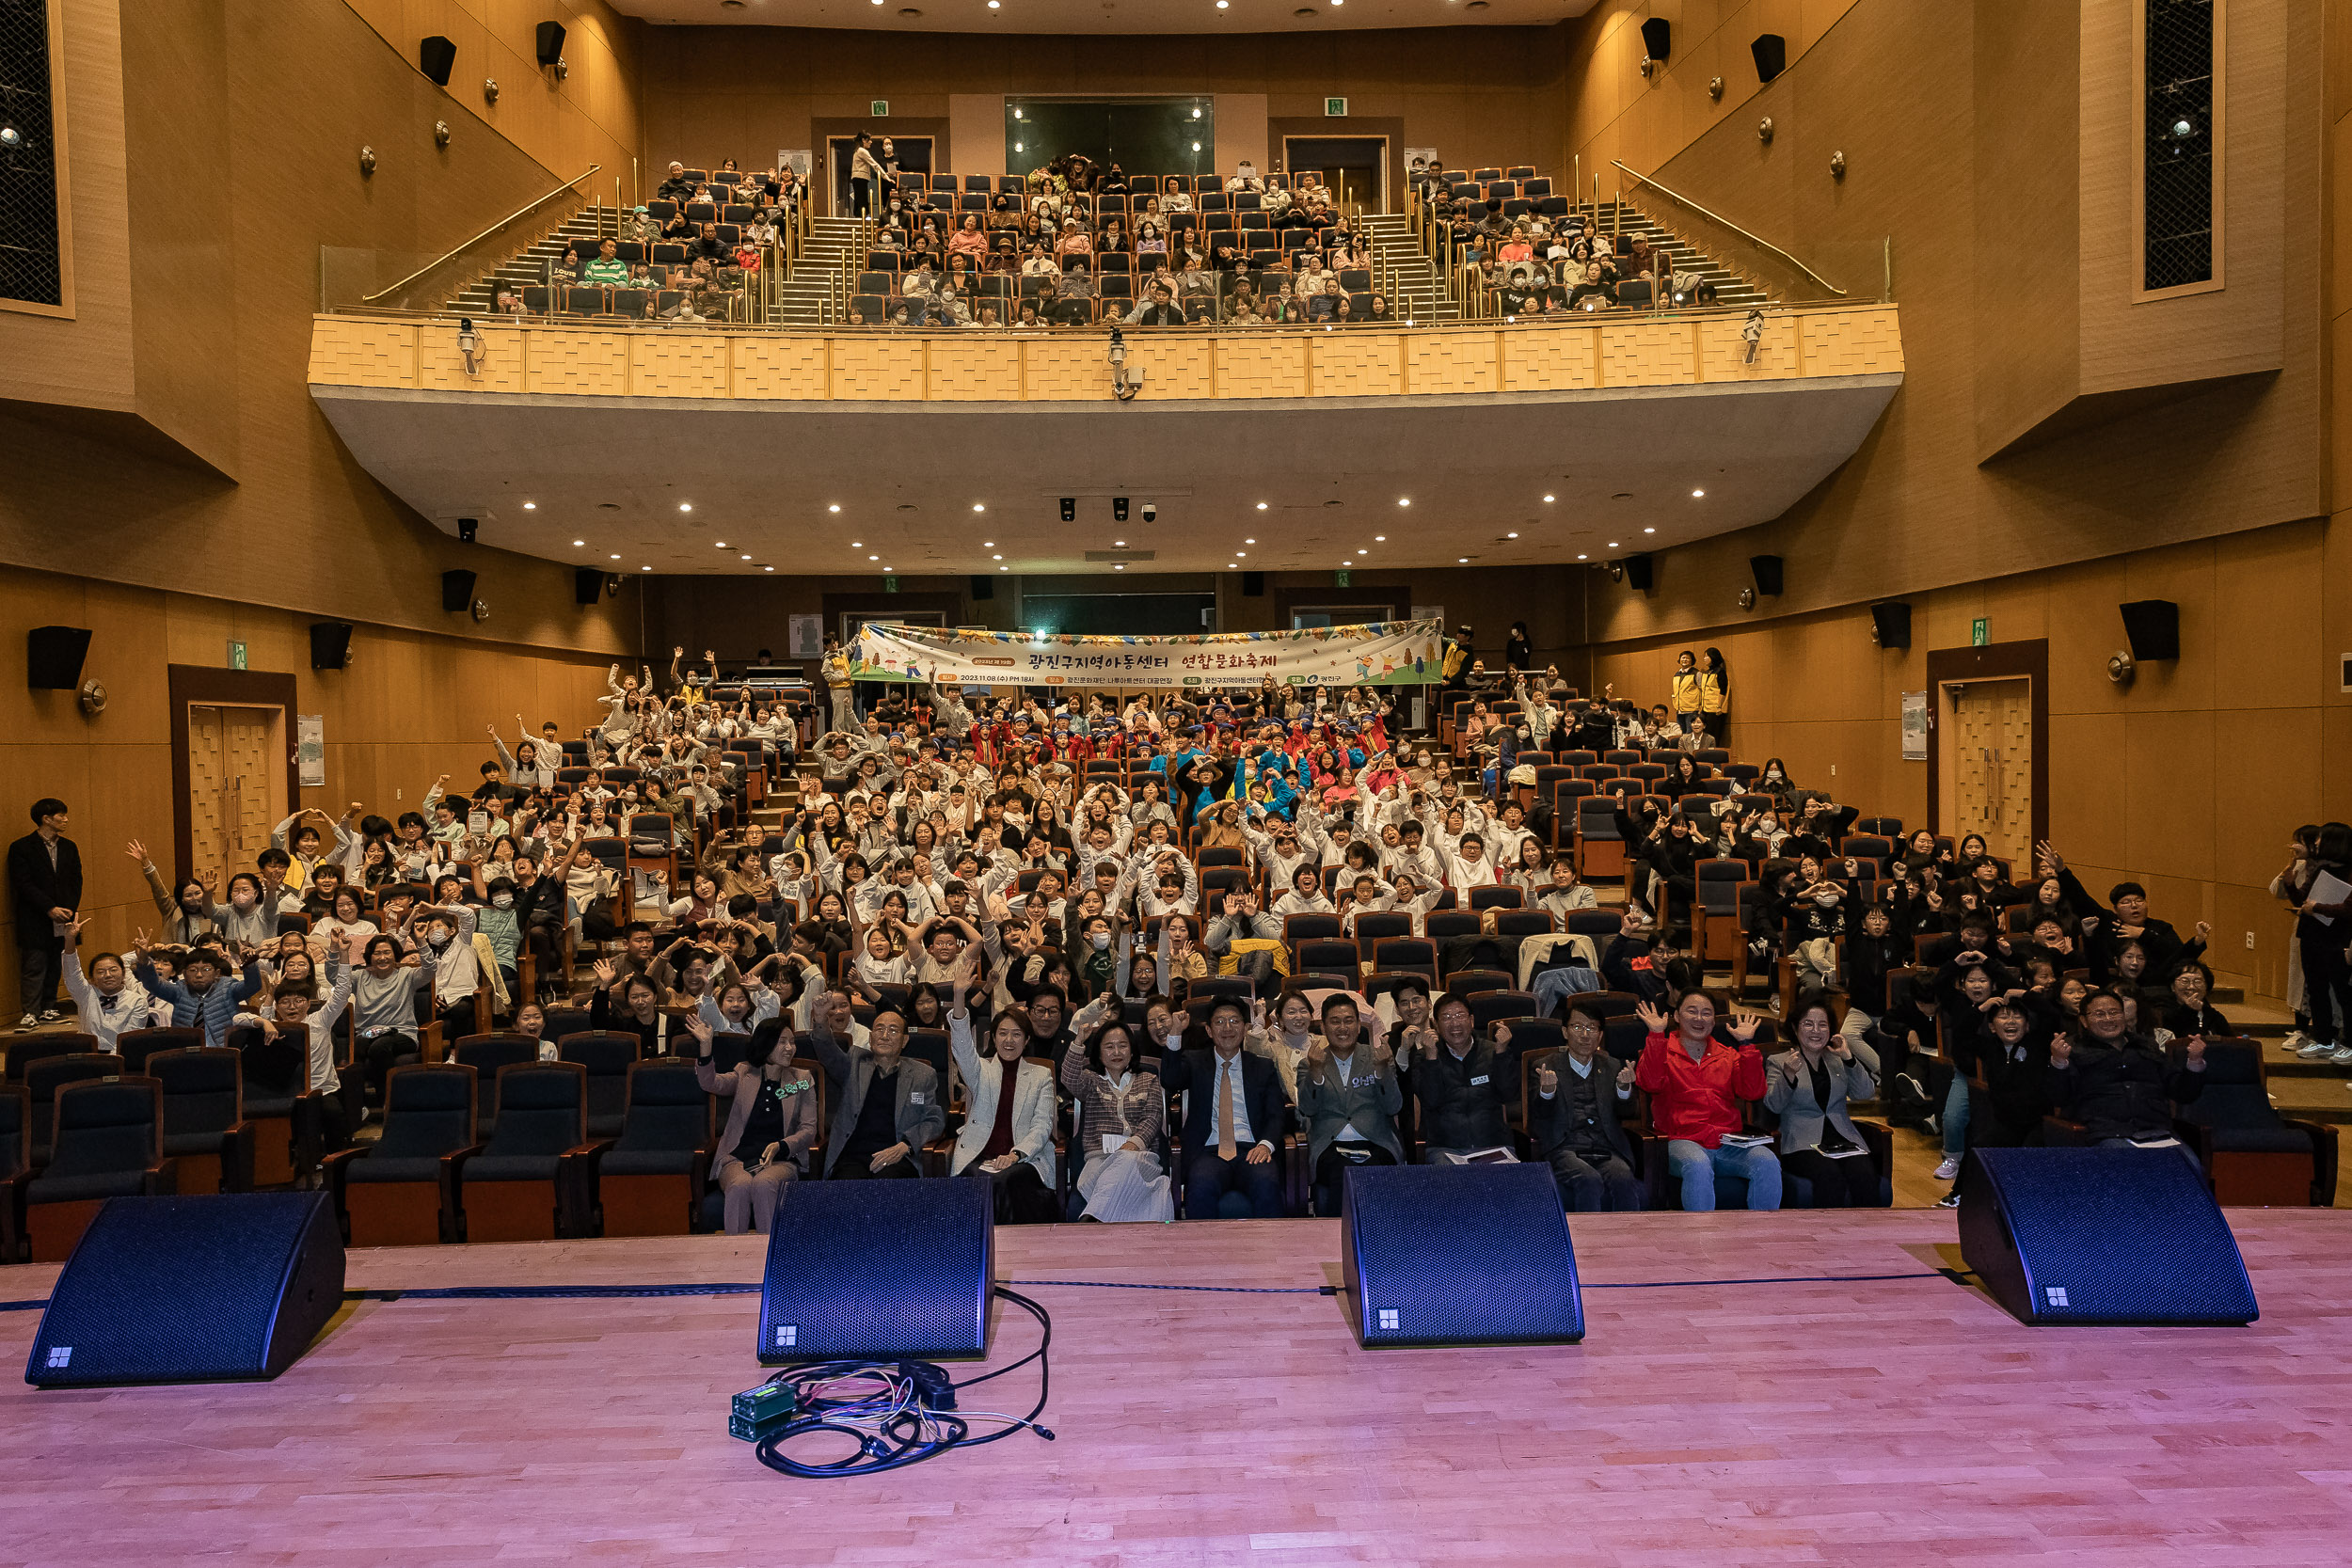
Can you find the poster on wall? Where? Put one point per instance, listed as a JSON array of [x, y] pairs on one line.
[[310, 749], [799, 160], [1914, 726], [806, 637]]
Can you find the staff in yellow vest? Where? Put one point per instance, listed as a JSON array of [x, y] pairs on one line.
[[1684, 695], [1714, 694]]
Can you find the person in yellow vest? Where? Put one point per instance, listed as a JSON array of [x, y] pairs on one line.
[[1714, 695], [836, 665], [1683, 696]]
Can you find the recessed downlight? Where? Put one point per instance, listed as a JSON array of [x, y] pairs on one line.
[[577, 543], [531, 506], [1695, 494], [836, 506], [686, 506]]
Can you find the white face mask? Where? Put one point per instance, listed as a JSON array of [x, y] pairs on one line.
[[242, 899], [503, 900], [1102, 940]]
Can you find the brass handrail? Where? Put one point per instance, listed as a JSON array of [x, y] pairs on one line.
[[1752, 239], [526, 207]]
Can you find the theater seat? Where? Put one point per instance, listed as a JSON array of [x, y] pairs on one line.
[[390, 1193], [205, 1133], [108, 1142], [510, 1191], [16, 1168], [2251, 1155], [650, 1181]]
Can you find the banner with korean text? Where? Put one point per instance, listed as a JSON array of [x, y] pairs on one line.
[[1382, 653]]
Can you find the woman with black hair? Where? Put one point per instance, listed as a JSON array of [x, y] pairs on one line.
[[1122, 1118], [1518, 653], [1714, 695], [1808, 1087], [2319, 933]]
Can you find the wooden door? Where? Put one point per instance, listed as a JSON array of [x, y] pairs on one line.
[[1988, 758], [236, 785]]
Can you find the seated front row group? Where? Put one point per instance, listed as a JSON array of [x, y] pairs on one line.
[[1240, 1085]]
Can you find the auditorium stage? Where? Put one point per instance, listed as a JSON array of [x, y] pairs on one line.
[[1904, 1420]]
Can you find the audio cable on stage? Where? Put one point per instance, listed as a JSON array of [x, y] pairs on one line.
[[898, 1413]]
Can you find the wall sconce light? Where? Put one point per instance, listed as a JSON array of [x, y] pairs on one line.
[[440, 133], [1837, 164], [1648, 66], [490, 90], [1764, 130], [1715, 89], [367, 162]]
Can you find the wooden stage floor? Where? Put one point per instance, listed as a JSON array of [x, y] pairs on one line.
[[1903, 1420]]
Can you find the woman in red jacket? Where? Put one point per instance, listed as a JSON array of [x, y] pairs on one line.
[[1695, 1083]]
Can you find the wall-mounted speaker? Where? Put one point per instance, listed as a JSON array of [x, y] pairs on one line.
[[983, 586], [587, 585], [1253, 585], [1771, 56], [1767, 570], [550, 43], [2154, 627], [1890, 622], [1658, 38], [1638, 573], [331, 644], [457, 589], [437, 57], [52, 657]]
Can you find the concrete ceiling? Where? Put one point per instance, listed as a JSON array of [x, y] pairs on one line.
[[694, 486], [1087, 17]]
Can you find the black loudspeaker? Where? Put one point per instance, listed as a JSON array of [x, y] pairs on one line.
[[1767, 570], [1638, 575], [52, 657], [1891, 619], [983, 586], [878, 1271], [437, 57], [457, 589], [331, 644], [2153, 626], [1771, 56], [1070, 509], [1253, 585], [550, 43], [2101, 1235], [1457, 1255], [191, 1290], [1658, 35], [587, 585]]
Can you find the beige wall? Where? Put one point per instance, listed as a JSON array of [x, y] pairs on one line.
[[2190, 780], [1478, 94], [409, 706], [590, 115]]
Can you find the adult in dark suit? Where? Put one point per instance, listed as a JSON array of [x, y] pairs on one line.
[[1232, 1130], [1466, 1084], [44, 889], [1576, 1119], [1348, 1097], [885, 1108]]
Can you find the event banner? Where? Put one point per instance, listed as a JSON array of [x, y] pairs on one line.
[[1384, 653]]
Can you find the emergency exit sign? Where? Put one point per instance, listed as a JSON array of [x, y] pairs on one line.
[[1335, 108], [890, 585], [1979, 632], [236, 654], [1344, 579], [879, 108]]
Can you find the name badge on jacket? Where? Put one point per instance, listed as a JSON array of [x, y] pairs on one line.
[[1480, 1079], [915, 1097]]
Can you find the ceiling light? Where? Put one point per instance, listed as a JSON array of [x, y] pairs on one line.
[[686, 506], [1249, 541], [979, 506], [836, 506], [997, 558], [1120, 543], [719, 544], [1612, 544], [857, 543], [1016, 113], [767, 568], [648, 568], [747, 558], [988, 544], [1403, 500], [1697, 493], [873, 558], [1241, 555], [617, 555], [1462, 559], [1580, 558], [1547, 499], [1262, 506], [1649, 531], [1363, 552], [1119, 565], [1196, 111], [1004, 568], [1379, 538], [577, 543], [531, 506]]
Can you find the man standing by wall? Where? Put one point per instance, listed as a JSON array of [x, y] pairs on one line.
[[44, 889]]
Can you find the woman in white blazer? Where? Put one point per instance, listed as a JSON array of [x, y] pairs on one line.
[[1008, 1138]]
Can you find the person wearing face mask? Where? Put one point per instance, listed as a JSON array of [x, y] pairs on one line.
[[770, 1127], [1122, 1121], [108, 1000], [186, 911], [246, 918]]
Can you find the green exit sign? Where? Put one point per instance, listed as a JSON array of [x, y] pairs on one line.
[[890, 585], [879, 108], [1979, 632], [1335, 108], [1343, 577], [236, 654]]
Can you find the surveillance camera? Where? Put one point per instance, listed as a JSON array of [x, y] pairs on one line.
[[1150, 512]]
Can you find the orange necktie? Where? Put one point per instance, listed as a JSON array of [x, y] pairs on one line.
[[1225, 1146]]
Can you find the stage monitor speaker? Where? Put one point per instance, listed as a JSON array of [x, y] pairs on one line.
[[983, 586], [1638, 575], [550, 43], [2154, 627], [877, 1271], [52, 657], [2101, 1235], [331, 644], [457, 589], [1457, 1255], [437, 57], [587, 585], [1891, 619], [1767, 570], [191, 1290], [1253, 585], [1658, 35], [1771, 56]]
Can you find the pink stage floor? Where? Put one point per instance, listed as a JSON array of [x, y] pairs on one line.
[[1858, 1423]]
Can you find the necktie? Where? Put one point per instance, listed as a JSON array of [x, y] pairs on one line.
[[1225, 1147]]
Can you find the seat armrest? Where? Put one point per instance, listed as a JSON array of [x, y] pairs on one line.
[[237, 1157], [2322, 1135], [2059, 1133], [452, 1183], [430, 1043], [12, 1216], [163, 1178], [576, 1171]]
